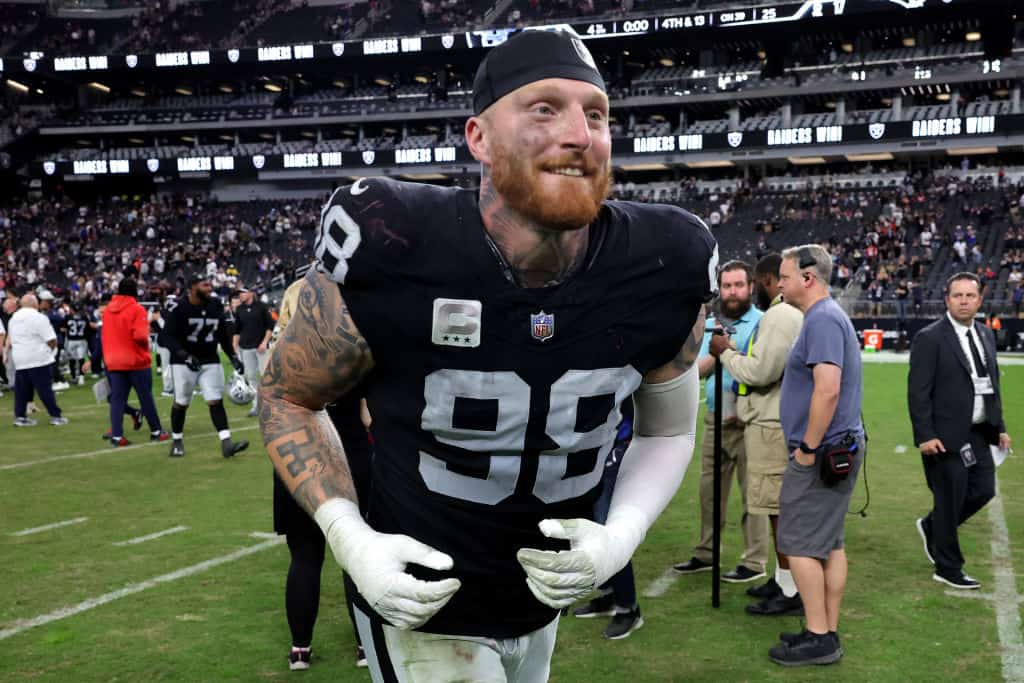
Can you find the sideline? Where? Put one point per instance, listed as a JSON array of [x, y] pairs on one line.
[[105, 451]]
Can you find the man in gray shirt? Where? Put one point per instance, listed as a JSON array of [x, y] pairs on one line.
[[819, 409]]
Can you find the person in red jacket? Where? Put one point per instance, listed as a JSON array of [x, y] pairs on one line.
[[126, 355]]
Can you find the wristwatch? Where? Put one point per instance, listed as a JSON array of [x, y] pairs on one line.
[[807, 449]]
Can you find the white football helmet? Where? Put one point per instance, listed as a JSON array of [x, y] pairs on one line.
[[240, 391]]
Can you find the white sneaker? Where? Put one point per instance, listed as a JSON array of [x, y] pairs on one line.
[[58, 421], [24, 422], [81, 380], [61, 386]]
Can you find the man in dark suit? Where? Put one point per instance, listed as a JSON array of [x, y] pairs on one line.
[[956, 412]]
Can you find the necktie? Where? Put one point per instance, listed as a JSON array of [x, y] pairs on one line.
[[979, 364]]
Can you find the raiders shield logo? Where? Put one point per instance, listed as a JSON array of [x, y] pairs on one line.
[[735, 138], [30, 64], [258, 160], [583, 53], [131, 60], [232, 56], [368, 156], [49, 167], [153, 165], [876, 131], [338, 49], [542, 326], [447, 41]]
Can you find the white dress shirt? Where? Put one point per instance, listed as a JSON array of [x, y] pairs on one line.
[[961, 334]]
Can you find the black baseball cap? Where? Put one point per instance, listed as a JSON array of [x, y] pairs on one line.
[[529, 56]]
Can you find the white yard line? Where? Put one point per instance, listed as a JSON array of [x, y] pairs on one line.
[[64, 612], [150, 537], [47, 527], [661, 584], [107, 451], [1007, 598]]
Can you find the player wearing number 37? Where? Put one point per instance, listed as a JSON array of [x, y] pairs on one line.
[[495, 335]]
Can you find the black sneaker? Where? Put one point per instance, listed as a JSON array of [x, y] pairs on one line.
[[361, 657], [299, 658], [765, 590], [789, 637], [956, 580], [926, 539], [778, 606], [808, 648], [742, 575], [229, 448], [178, 448], [601, 606], [692, 566], [624, 623], [137, 421]]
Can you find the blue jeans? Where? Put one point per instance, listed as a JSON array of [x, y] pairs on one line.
[[622, 585], [122, 382]]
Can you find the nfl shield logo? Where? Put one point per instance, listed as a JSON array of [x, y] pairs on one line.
[[447, 41], [258, 161], [735, 138], [338, 49], [542, 326], [152, 165], [876, 131], [232, 56], [49, 167], [132, 61], [30, 64], [368, 156]]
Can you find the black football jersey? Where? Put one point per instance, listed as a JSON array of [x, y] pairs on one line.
[[196, 330], [494, 406], [77, 327]]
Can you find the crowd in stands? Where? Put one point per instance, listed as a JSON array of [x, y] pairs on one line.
[[892, 244], [79, 250]]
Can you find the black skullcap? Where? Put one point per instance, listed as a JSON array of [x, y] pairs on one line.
[[532, 56]]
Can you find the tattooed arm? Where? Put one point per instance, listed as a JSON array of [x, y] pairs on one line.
[[651, 471], [319, 357]]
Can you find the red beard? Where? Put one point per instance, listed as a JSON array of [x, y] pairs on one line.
[[520, 186]]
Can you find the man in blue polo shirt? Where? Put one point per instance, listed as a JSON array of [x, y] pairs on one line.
[[739, 317]]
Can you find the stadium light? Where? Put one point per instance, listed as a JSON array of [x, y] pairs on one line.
[[272, 87], [99, 86], [645, 167], [182, 90], [971, 151], [909, 41], [973, 36], [721, 163], [875, 156], [805, 161], [20, 87]]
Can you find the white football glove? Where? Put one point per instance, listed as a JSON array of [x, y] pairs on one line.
[[376, 562], [597, 552]]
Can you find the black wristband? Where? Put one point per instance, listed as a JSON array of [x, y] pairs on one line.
[[807, 449]]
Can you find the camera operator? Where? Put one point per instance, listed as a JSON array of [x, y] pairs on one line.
[[820, 413]]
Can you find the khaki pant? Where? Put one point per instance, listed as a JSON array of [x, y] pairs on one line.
[[767, 459], [755, 527]]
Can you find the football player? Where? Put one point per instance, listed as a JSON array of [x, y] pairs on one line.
[[77, 326], [194, 326], [496, 335]]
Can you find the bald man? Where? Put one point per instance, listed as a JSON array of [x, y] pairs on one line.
[[33, 342]]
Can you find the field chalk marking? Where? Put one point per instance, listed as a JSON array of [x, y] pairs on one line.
[[106, 451], [150, 537], [47, 527], [85, 605], [1007, 598], [661, 584]]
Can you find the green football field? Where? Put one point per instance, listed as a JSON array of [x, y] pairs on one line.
[[206, 602]]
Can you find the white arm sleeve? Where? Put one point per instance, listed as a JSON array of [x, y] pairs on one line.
[[653, 467]]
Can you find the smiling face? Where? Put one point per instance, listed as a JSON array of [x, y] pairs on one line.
[[548, 150]]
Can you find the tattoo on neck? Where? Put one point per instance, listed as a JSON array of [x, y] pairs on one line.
[[530, 254]]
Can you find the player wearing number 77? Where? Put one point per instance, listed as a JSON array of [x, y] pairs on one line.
[[494, 335]]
